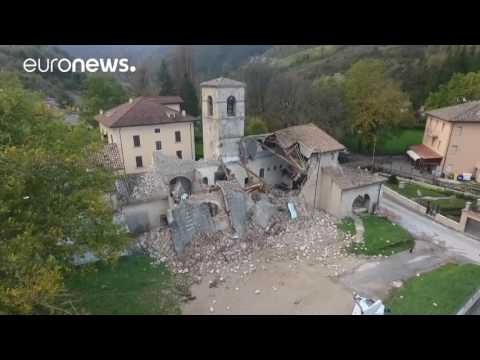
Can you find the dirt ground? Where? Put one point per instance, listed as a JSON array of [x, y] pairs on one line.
[[275, 288]]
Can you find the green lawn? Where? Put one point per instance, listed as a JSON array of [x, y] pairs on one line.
[[131, 286], [394, 145], [347, 226], [382, 237], [449, 287], [198, 150], [451, 207]]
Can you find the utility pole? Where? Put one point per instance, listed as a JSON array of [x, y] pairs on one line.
[[373, 155]]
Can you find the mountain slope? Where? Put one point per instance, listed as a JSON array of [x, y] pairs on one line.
[[64, 87]]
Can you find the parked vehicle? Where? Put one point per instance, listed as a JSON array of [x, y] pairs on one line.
[[366, 306]]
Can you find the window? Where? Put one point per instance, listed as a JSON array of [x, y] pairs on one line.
[[459, 130], [333, 156], [111, 138], [205, 181], [136, 140], [246, 181], [178, 137], [275, 168], [105, 138], [262, 173], [210, 106], [158, 145], [281, 166], [179, 154], [157, 130], [139, 161], [231, 106], [268, 169]]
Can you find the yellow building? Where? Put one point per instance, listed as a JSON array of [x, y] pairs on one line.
[[451, 142], [147, 124]]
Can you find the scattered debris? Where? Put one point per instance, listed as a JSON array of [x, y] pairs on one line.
[[397, 284]]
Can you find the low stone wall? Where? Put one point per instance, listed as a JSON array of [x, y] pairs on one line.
[[389, 193], [448, 222]]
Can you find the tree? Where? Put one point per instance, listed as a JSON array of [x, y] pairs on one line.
[[183, 65], [165, 80], [102, 92], [256, 126], [52, 207], [375, 102], [189, 96], [258, 77], [460, 87]]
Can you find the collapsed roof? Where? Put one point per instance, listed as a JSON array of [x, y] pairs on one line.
[[310, 138]]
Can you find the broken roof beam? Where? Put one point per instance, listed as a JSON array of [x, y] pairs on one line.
[[287, 159]]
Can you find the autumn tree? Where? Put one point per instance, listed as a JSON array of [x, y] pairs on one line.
[[53, 207], [375, 102]]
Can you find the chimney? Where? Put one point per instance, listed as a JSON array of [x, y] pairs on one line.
[[184, 113]]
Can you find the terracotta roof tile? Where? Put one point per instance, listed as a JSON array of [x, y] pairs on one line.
[[311, 138], [222, 82], [109, 157], [349, 178], [145, 110], [466, 112], [425, 152]]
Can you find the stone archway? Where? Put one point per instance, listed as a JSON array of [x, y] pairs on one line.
[[179, 186], [361, 204]]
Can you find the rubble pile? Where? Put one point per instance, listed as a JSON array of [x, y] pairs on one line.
[[311, 238]]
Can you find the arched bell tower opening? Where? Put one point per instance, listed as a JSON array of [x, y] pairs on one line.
[[223, 118]]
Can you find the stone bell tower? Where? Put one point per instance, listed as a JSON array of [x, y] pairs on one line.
[[223, 118]]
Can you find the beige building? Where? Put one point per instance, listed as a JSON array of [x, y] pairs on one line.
[[147, 124], [451, 142]]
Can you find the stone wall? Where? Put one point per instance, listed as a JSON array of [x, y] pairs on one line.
[[389, 193]]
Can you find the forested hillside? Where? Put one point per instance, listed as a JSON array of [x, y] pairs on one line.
[[65, 87]]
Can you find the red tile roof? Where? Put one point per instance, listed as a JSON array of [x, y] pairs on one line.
[[109, 157], [425, 152], [144, 110]]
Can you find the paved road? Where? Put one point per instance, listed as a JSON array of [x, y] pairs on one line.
[[374, 279], [475, 310], [423, 227]]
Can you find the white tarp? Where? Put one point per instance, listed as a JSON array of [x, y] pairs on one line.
[[413, 155]]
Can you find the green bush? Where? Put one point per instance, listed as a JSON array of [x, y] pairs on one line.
[[393, 180]]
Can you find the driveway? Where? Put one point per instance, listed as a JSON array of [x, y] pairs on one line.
[[423, 227], [374, 279]]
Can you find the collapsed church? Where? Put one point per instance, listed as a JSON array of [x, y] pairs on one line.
[[231, 186]]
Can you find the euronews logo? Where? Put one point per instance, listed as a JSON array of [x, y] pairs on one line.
[[77, 65]]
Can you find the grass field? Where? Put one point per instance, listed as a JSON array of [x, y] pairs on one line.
[[132, 286], [382, 237], [451, 207], [347, 226], [394, 145], [440, 292]]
